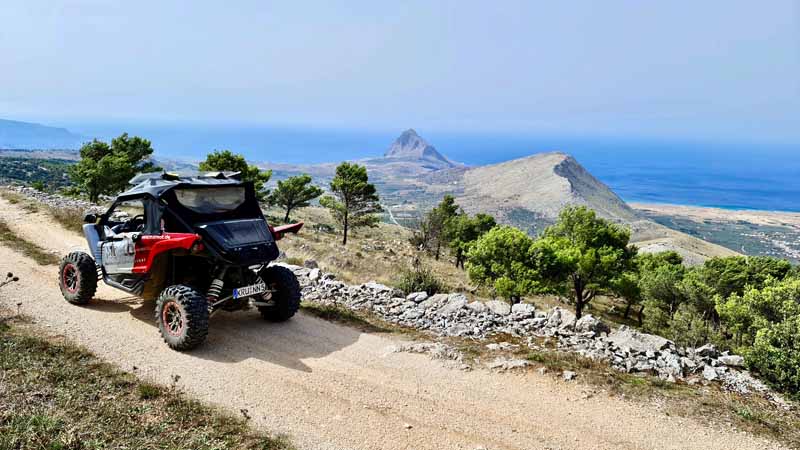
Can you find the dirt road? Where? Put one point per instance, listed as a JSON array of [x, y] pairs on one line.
[[332, 387]]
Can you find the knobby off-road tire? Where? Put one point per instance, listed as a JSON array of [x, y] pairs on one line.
[[77, 278], [182, 317], [286, 295]]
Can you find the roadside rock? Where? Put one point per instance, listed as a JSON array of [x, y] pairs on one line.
[[732, 360], [523, 310], [503, 364], [626, 338], [588, 323], [454, 303], [499, 307], [417, 296]]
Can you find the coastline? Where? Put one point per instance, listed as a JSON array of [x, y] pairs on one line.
[[725, 213]]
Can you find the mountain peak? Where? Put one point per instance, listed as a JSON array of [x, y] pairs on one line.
[[410, 145]]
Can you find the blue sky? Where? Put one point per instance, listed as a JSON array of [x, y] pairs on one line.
[[686, 69]]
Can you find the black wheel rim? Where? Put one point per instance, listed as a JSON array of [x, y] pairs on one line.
[[172, 318], [70, 278]]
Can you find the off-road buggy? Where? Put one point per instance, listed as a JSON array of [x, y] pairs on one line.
[[196, 244]]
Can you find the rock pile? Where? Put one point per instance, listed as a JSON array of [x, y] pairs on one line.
[[55, 200], [454, 315]]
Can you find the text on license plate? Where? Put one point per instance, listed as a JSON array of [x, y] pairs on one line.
[[247, 291]]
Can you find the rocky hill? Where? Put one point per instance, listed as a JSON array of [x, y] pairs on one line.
[[529, 193], [411, 147], [542, 184], [26, 135]]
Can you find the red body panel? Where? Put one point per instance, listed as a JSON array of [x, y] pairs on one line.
[[148, 247], [278, 232]]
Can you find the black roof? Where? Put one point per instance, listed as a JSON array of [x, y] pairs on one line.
[[157, 184]]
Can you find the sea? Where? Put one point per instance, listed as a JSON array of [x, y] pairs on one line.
[[711, 172]]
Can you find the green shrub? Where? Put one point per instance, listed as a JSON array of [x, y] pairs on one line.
[[420, 278], [775, 355], [149, 391]]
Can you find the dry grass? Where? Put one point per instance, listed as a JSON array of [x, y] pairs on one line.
[[347, 317], [27, 248], [371, 254], [69, 218], [58, 396]]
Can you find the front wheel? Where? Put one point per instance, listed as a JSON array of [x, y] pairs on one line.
[[182, 317], [285, 296], [77, 278]]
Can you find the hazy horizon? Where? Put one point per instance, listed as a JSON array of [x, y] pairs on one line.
[[713, 71]]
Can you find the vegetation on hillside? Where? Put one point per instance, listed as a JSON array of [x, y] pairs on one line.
[[227, 161], [43, 174], [745, 304], [355, 201], [105, 169], [294, 192]]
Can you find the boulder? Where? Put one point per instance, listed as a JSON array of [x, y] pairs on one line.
[[672, 367], [732, 360], [478, 307], [499, 307], [709, 373], [626, 338], [314, 274], [588, 323], [568, 375], [523, 309], [706, 351], [417, 296], [454, 303], [377, 287], [310, 264]]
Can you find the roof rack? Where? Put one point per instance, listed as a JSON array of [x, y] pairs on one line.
[[174, 176]]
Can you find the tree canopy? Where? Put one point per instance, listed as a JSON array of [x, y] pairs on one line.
[[227, 161], [463, 230], [294, 192], [588, 251], [106, 169], [502, 258], [355, 200], [433, 229]]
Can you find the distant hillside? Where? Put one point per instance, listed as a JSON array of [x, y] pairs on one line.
[[543, 184], [530, 192], [26, 136]]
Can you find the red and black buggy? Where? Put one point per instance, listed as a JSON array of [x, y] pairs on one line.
[[196, 244]]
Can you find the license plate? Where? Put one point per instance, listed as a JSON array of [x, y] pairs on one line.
[[248, 291]]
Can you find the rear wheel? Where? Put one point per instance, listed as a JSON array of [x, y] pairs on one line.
[[182, 317], [77, 278], [285, 298]]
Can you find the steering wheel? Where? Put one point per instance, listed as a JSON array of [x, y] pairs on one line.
[[137, 223]]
